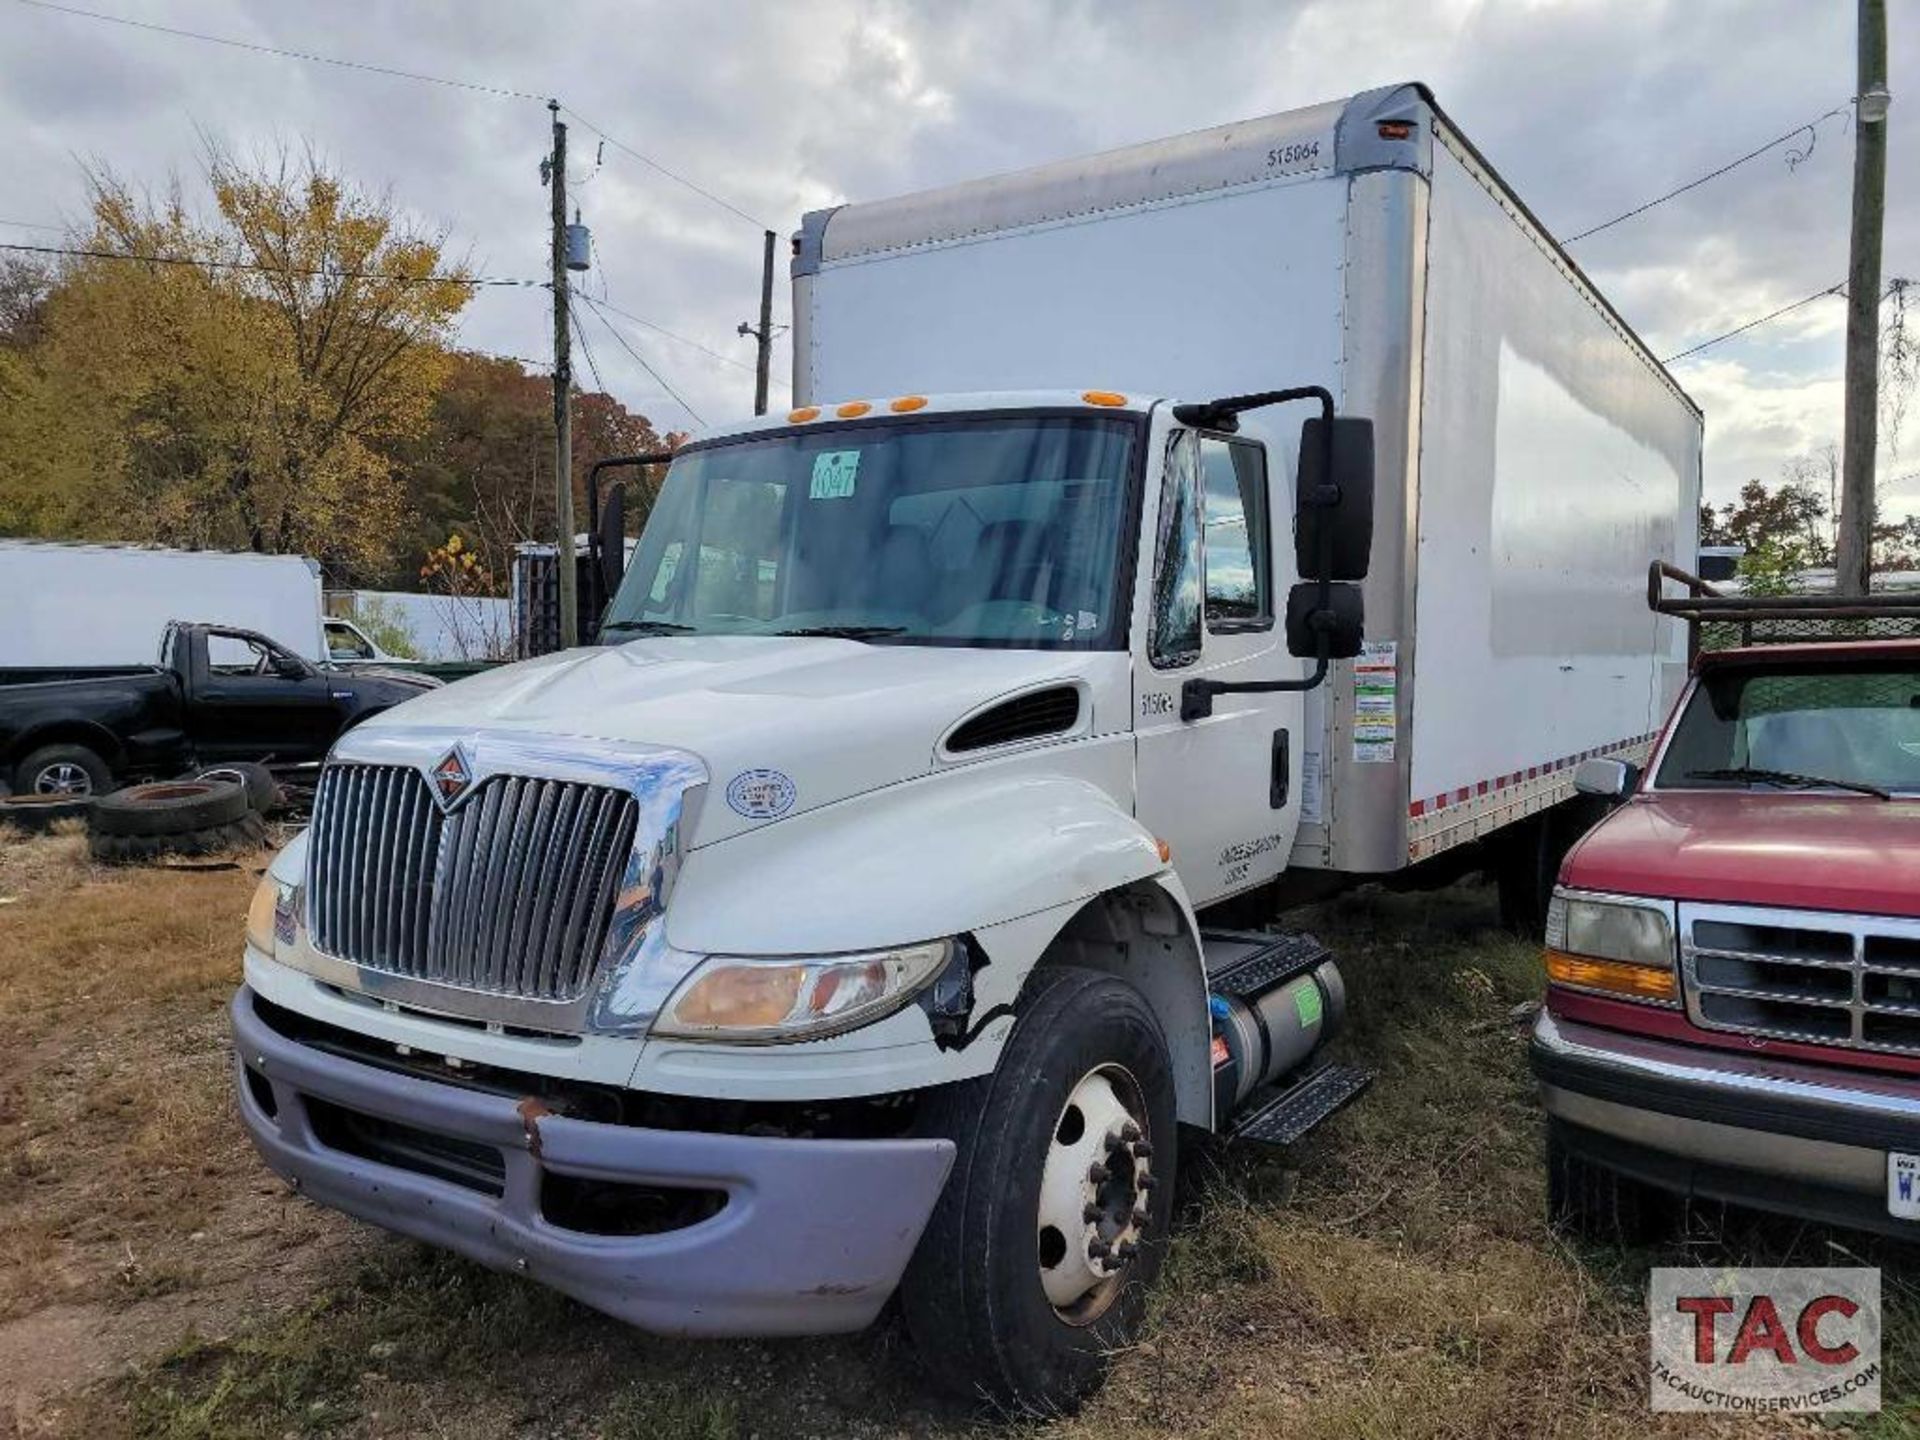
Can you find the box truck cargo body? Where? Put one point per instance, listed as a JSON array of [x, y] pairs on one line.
[[1533, 454], [1149, 531]]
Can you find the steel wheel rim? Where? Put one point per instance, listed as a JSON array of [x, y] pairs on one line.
[[63, 777], [1094, 1194]]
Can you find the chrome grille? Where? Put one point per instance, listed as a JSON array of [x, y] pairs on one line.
[[1822, 978], [511, 893]]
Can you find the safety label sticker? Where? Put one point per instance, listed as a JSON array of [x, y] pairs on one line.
[[1376, 702]]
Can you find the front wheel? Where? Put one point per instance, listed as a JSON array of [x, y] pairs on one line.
[[1036, 1264]]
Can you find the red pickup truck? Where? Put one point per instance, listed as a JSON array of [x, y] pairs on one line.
[[1733, 954]]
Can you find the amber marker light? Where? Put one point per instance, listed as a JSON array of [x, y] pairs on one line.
[[1103, 397], [804, 414], [907, 404], [853, 409], [1636, 982]]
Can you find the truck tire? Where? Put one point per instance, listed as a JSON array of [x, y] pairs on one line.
[[1036, 1264], [35, 813], [263, 791], [1600, 1206], [170, 807], [249, 832], [62, 770]]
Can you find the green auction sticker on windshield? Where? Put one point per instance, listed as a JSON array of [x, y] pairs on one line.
[[833, 472]]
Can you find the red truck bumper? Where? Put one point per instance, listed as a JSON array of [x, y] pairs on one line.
[[1798, 1139]]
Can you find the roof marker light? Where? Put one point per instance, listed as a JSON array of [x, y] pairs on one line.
[[1103, 397], [852, 409], [803, 414], [908, 403], [1396, 129]]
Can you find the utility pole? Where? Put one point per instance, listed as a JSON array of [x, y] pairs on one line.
[[1854, 561], [567, 571], [764, 334]]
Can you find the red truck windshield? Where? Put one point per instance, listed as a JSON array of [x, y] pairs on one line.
[[1858, 726]]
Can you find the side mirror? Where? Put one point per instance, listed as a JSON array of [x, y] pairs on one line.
[[1342, 621], [1335, 504], [291, 667], [613, 540], [1608, 779]]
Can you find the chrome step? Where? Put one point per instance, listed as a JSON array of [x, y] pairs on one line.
[[1293, 1113]]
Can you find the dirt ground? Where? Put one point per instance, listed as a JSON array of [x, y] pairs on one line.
[[1393, 1277]]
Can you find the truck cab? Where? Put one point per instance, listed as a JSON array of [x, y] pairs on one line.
[[1733, 955]]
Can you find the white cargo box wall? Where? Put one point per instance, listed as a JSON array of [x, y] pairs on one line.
[[108, 604], [1533, 455]]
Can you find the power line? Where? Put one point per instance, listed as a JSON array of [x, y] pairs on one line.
[[255, 265], [307, 55], [640, 360], [1753, 324], [1807, 129], [585, 348], [674, 176], [692, 344], [34, 225]]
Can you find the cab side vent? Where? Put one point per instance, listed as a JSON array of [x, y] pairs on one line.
[[1025, 717]]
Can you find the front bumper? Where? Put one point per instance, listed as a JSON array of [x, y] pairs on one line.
[[811, 1239], [1802, 1140]]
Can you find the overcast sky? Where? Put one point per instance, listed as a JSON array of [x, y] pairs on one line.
[[1587, 107]]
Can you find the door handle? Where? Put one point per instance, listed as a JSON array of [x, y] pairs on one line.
[[1277, 781]]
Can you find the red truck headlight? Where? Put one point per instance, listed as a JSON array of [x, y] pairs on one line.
[[1618, 945]]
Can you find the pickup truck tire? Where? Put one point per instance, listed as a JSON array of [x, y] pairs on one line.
[[62, 770], [170, 807], [35, 813], [1600, 1206], [247, 833], [989, 1294], [263, 791]]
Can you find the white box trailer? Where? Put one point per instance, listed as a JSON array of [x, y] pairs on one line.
[[1533, 454], [81, 605]]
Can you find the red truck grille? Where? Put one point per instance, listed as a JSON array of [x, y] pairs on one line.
[[1807, 975]]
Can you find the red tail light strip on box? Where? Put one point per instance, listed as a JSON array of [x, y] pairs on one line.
[[1443, 821]]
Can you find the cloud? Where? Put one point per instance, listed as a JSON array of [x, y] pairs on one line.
[[1587, 107]]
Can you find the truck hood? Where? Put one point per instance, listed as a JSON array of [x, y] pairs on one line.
[[1848, 853], [783, 724]]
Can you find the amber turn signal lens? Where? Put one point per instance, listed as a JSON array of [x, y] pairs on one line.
[[804, 414], [852, 409], [1103, 397], [1638, 982], [906, 404]]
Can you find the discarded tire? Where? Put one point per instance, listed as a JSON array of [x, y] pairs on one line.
[[35, 813], [170, 808], [263, 791], [246, 833]]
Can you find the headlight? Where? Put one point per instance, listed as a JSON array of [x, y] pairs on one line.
[[272, 914], [1621, 946], [803, 998]]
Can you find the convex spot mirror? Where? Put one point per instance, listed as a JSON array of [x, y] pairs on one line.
[[1342, 621], [1335, 504]]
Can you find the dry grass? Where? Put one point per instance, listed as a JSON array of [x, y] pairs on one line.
[[1391, 1278]]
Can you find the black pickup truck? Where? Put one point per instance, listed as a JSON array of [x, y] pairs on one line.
[[217, 694]]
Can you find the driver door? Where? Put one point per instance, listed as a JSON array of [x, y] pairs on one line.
[[243, 708], [1221, 791]]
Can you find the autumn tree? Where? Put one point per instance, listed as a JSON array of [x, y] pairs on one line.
[[239, 382]]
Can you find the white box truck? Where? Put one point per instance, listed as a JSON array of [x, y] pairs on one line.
[[90, 605], [837, 926]]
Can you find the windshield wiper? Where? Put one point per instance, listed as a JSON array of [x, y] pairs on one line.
[[1788, 777], [647, 627], [845, 632]]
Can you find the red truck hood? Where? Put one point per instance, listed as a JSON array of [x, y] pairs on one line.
[[1759, 847]]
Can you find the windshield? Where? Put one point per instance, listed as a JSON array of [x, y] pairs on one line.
[[999, 531], [1855, 726]]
